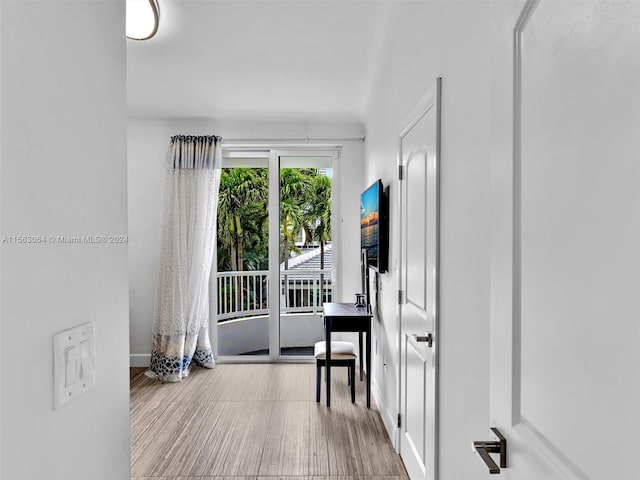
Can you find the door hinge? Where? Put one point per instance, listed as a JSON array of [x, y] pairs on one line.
[[400, 297], [399, 420], [400, 172]]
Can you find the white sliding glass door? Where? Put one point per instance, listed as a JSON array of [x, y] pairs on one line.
[[274, 265], [305, 251]]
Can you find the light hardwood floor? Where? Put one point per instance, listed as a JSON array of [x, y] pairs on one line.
[[256, 422]]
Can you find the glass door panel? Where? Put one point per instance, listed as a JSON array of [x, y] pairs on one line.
[[241, 286], [306, 277]]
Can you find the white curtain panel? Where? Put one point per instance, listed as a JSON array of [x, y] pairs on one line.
[[181, 312]]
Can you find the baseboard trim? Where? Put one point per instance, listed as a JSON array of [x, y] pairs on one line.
[[139, 359], [389, 418]]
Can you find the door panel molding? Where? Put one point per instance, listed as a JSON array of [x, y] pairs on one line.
[[518, 31], [416, 291], [412, 349], [534, 438]]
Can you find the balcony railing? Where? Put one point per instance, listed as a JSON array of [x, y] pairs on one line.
[[304, 290], [244, 294]]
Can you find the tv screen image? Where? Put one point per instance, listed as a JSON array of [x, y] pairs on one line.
[[371, 225]]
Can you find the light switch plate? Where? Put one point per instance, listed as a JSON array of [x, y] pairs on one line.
[[73, 374]]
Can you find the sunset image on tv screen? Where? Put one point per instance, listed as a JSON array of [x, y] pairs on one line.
[[369, 223]]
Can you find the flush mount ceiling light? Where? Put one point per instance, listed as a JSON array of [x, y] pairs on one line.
[[143, 17]]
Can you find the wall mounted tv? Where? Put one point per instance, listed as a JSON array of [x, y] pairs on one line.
[[374, 226]]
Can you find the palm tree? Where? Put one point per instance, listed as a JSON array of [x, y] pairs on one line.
[[256, 229], [242, 190], [291, 220], [294, 192], [320, 216]]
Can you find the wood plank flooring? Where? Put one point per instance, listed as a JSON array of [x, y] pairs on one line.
[[256, 422]]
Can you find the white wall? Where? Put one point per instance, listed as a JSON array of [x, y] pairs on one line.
[[63, 173], [148, 141], [426, 40]]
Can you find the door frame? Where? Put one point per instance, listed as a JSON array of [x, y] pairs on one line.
[[268, 155], [430, 100]]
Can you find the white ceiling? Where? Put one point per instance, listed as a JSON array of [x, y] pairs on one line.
[[309, 59]]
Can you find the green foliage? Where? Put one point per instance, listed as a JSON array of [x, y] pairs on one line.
[[305, 205], [243, 218], [320, 208]]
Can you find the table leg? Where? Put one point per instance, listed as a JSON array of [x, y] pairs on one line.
[[360, 353], [369, 369], [328, 360]]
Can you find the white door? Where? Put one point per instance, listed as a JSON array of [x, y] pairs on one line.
[[420, 150], [565, 281]]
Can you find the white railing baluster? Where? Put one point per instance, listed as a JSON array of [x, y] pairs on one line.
[[237, 307], [226, 309], [220, 299], [313, 287]]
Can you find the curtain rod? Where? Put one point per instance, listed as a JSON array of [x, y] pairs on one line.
[[294, 139]]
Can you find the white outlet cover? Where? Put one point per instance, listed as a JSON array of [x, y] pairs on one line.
[[82, 371]]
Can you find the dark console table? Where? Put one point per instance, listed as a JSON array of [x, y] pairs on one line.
[[346, 317]]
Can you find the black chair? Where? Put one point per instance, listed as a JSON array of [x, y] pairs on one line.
[[343, 354]]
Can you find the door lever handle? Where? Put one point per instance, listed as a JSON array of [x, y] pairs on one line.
[[484, 448], [428, 339]]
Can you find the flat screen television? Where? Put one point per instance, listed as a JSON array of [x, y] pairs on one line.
[[374, 226]]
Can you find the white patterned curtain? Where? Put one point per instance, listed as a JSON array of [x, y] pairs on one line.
[[181, 312]]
